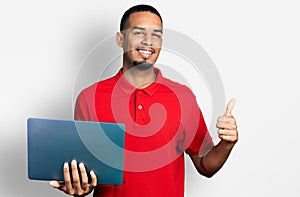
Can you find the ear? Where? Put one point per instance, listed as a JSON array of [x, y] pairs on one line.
[[120, 39]]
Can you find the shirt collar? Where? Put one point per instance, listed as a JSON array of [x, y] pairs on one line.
[[129, 89]]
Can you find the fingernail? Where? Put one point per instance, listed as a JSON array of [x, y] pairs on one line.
[[66, 165], [81, 165], [51, 183], [74, 162]]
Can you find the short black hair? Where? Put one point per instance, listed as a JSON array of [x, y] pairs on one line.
[[137, 8]]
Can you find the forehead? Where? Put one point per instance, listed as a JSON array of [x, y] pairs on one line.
[[144, 19]]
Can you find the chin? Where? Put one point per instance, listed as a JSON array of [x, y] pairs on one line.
[[142, 65]]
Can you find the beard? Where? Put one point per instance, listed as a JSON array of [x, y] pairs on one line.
[[142, 65]]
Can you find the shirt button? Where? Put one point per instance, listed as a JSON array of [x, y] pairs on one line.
[[140, 107], [139, 92]]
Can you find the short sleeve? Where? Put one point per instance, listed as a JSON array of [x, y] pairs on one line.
[[197, 133], [81, 108]]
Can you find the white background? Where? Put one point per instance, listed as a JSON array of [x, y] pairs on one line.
[[254, 44]]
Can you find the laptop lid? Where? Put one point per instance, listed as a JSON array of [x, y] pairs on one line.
[[99, 145]]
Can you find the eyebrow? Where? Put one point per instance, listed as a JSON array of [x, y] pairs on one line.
[[143, 28]]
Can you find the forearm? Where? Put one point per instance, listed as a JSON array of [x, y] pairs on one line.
[[214, 159]]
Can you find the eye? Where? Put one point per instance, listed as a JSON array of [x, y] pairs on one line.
[[156, 36], [139, 33]]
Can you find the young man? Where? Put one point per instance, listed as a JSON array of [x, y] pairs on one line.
[[162, 119]]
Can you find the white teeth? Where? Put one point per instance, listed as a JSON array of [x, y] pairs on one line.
[[145, 52]]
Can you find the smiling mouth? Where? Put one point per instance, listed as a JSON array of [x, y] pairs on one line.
[[145, 52]]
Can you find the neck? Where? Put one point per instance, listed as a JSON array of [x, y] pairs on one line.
[[139, 78]]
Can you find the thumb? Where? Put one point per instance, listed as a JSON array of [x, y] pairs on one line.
[[229, 107], [54, 184]]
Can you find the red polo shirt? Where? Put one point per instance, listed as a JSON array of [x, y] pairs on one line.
[[162, 122]]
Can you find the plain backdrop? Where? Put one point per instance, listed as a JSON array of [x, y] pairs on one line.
[[254, 44]]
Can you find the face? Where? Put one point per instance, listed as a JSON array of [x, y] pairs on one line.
[[142, 39]]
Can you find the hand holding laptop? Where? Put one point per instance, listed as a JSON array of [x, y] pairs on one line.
[[74, 185]]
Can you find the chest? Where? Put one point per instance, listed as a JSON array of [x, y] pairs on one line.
[[151, 121]]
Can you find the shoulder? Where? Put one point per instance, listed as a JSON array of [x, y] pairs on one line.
[[177, 88], [100, 86]]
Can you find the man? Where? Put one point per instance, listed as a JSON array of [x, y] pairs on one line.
[[162, 119]]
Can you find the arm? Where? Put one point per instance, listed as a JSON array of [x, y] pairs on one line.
[[209, 164]]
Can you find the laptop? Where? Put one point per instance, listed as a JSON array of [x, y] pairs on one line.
[[99, 145]]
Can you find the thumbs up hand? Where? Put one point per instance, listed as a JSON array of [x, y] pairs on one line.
[[226, 124]]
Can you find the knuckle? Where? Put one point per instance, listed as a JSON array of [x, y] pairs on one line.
[[71, 192], [76, 181], [68, 184], [84, 181], [84, 186], [89, 188], [234, 123], [67, 181], [82, 171]]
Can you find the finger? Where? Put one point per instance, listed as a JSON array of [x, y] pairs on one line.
[[94, 179], [84, 178], [55, 184], [228, 119], [226, 126], [75, 176], [229, 107], [228, 138], [228, 135], [227, 132], [67, 177]]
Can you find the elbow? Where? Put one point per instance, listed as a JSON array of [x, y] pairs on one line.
[[207, 174], [207, 171]]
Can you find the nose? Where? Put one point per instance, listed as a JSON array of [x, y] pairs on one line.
[[147, 40]]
